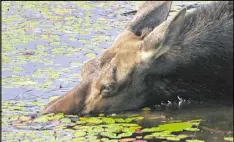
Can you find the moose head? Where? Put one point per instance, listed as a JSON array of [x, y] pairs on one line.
[[116, 80]]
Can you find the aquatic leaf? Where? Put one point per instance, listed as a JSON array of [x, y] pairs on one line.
[[25, 118], [128, 120], [182, 136], [18, 108], [58, 116], [129, 129], [139, 137], [97, 129], [43, 118], [228, 138], [108, 120], [80, 133], [195, 122], [80, 139], [94, 120], [175, 127], [80, 122], [53, 98], [65, 120], [81, 127], [15, 117], [163, 134], [75, 64], [113, 128], [147, 137], [62, 11], [119, 120], [47, 62], [101, 114], [108, 134], [173, 138], [83, 118], [125, 134], [192, 129], [195, 140]]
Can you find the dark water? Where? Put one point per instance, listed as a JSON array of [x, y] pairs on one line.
[[44, 45]]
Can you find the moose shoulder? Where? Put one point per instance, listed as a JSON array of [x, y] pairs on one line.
[[156, 58]]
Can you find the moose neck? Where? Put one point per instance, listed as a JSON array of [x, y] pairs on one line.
[[199, 64]]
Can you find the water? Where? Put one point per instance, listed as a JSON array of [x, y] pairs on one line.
[[44, 45]]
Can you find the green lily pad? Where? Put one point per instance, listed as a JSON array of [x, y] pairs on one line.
[[79, 123], [94, 120], [80, 139], [53, 98], [58, 116], [175, 127], [125, 134], [97, 129], [128, 120], [228, 139], [195, 140], [148, 137], [80, 133], [108, 120], [65, 120], [173, 138], [92, 55], [43, 118], [192, 129], [182, 136], [119, 120]]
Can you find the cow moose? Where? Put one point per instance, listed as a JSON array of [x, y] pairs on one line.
[[158, 57]]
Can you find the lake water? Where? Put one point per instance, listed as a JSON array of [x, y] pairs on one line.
[[44, 45]]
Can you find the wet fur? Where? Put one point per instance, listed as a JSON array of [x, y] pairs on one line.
[[199, 65]]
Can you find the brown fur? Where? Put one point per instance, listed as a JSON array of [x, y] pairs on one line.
[[153, 58]]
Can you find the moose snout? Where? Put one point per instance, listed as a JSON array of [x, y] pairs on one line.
[[72, 102]]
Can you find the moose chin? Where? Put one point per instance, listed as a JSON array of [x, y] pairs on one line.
[[155, 57]]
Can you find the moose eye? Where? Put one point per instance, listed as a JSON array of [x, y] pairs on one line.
[[107, 88]]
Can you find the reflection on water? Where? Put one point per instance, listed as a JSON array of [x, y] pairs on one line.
[[215, 124], [217, 120]]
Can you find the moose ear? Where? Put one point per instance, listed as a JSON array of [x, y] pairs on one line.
[[149, 15], [162, 37]]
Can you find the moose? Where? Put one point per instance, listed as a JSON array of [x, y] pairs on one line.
[[157, 57]]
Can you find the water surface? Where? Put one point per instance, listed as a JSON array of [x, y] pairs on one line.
[[44, 45]]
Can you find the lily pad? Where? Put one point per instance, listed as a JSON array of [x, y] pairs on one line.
[[195, 140], [53, 98], [108, 120], [65, 120], [228, 138], [80, 133]]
